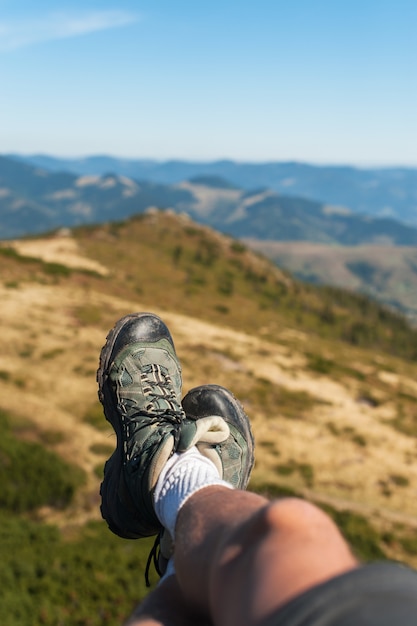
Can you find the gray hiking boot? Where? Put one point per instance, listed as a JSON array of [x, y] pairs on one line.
[[139, 380], [234, 456]]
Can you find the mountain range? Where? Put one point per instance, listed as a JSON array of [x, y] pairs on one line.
[[33, 200], [382, 192], [320, 243]]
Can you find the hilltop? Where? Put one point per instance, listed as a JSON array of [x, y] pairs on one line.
[[327, 377]]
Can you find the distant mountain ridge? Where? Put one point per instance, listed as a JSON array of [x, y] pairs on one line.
[[386, 192], [33, 200]]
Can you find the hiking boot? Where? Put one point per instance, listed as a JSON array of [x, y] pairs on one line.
[[139, 380], [234, 456]]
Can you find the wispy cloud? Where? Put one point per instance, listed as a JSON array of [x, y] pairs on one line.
[[16, 34]]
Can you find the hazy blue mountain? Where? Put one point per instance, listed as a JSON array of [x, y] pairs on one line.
[[33, 200], [387, 192], [283, 218]]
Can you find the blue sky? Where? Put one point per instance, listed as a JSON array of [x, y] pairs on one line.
[[323, 81]]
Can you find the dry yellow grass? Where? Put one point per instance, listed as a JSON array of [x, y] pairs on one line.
[[49, 356]]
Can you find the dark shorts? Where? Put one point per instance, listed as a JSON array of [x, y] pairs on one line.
[[380, 594]]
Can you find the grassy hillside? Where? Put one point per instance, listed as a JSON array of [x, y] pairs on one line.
[[328, 380], [384, 272]]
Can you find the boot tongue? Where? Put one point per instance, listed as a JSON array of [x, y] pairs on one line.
[[210, 430]]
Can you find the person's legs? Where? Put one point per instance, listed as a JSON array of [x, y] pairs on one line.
[[239, 557], [140, 386], [165, 606]]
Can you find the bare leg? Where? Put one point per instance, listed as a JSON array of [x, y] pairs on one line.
[[239, 557], [164, 606]]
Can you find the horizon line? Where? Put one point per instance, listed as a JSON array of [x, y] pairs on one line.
[[205, 161]]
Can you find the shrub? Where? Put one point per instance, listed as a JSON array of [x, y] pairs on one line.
[[399, 480], [319, 364], [285, 470], [89, 314], [305, 470], [221, 308], [51, 354], [278, 400], [225, 283], [238, 247], [409, 544], [273, 490], [31, 476], [95, 417], [101, 448], [359, 440], [360, 534], [57, 270], [96, 579]]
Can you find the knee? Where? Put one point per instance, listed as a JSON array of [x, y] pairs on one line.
[[288, 518], [293, 515]]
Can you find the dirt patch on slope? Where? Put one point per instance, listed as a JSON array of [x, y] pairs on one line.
[[62, 248]]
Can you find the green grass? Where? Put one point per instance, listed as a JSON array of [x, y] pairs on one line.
[[276, 400], [305, 470], [268, 445], [95, 417], [52, 437], [93, 580], [347, 432], [405, 420], [51, 354], [272, 490], [31, 476], [322, 365], [399, 480], [409, 544], [99, 471], [27, 351], [102, 449], [88, 314], [11, 253], [18, 268], [364, 539], [57, 270]]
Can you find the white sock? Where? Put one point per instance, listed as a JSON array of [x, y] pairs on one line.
[[181, 477]]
